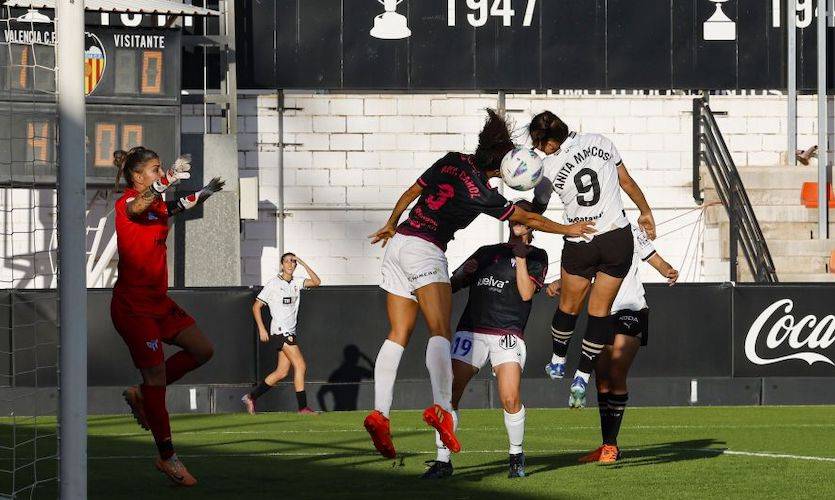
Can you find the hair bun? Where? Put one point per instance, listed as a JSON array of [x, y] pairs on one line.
[[119, 158]]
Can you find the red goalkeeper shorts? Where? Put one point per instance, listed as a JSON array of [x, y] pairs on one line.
[[145, 323]]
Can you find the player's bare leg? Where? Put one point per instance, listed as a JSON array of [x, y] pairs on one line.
[[282, 369], [435, 301], [294, 354], [573, 292], [402, 313], [509, 379], [441, 467]]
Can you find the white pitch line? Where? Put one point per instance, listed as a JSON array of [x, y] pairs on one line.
[[315, 454], [502, 451], [473, 429], [778, 455]]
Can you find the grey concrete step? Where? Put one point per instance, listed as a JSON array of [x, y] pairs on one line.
[[786, 230], [745, 276], [771, 213], [800, 248], [768, 185], [782, 197]]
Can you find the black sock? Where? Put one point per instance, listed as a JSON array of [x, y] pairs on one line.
[[598, 333], [259, 390], [560, 342], [603, 407], [562, 327], [166, 449], [617, 407], [301, 398]]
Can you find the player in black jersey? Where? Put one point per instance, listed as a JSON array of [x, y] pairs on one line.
[[450, 195], [502, 280]]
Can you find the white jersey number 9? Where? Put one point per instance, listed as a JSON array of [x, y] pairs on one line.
[[586, 181]]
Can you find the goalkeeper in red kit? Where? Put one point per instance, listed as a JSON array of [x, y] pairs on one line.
[[141, 310]]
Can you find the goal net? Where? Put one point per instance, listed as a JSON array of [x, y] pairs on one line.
[[29, 271]]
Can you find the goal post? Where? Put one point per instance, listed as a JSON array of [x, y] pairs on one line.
[[72, 287]]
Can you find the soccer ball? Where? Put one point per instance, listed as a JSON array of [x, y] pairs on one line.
[[521, 168]]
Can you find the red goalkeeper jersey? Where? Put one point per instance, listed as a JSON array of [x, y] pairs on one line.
[[143, 270]]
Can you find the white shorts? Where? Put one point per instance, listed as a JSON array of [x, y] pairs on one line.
[[475, 348], [410, 263]]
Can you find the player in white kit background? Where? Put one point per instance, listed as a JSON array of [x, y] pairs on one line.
[[631, 315], [282, 296], [587, 173]]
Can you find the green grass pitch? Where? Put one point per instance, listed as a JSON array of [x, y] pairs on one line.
[[731, 452]]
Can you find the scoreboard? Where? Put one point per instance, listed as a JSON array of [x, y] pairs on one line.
[[132, 78], [28, 152]]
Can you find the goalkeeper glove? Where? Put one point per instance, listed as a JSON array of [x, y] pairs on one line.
[[194, 199], [177, 172]]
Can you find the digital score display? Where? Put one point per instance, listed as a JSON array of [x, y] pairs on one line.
[[28, 147], [132, 80], [133, 65]]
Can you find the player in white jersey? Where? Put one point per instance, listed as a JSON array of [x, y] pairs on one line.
[[587, 173], [282, 296], [631, 316]]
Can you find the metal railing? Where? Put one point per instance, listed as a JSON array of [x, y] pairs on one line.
[[709, 148]]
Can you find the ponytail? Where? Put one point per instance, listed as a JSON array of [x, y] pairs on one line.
[[493, 142]]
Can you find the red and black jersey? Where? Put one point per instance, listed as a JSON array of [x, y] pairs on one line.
[[495, 306], [143, 269], [454, 193]]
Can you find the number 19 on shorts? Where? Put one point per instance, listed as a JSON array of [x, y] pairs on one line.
[[478, 12], [462, 346]]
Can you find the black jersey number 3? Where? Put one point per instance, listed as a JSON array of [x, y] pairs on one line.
[[586, 180]]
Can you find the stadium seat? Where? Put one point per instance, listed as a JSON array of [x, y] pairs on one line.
[[809, 195]]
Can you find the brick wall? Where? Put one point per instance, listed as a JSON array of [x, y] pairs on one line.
[[349, 157], [353, 155]]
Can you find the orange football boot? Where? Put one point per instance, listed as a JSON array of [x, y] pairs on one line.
[[443, 422]]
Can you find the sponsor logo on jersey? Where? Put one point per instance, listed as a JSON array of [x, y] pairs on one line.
[[572, 220], [413, 277], [287, 300], [492, 282], [153, 345], [805, 335]]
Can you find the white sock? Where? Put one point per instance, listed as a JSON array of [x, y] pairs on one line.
[[385, 373], [439, 364], [583, 375], [443, 451], [515, 425], [557, 359]]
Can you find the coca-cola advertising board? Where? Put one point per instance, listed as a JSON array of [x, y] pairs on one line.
[[784, 331]]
